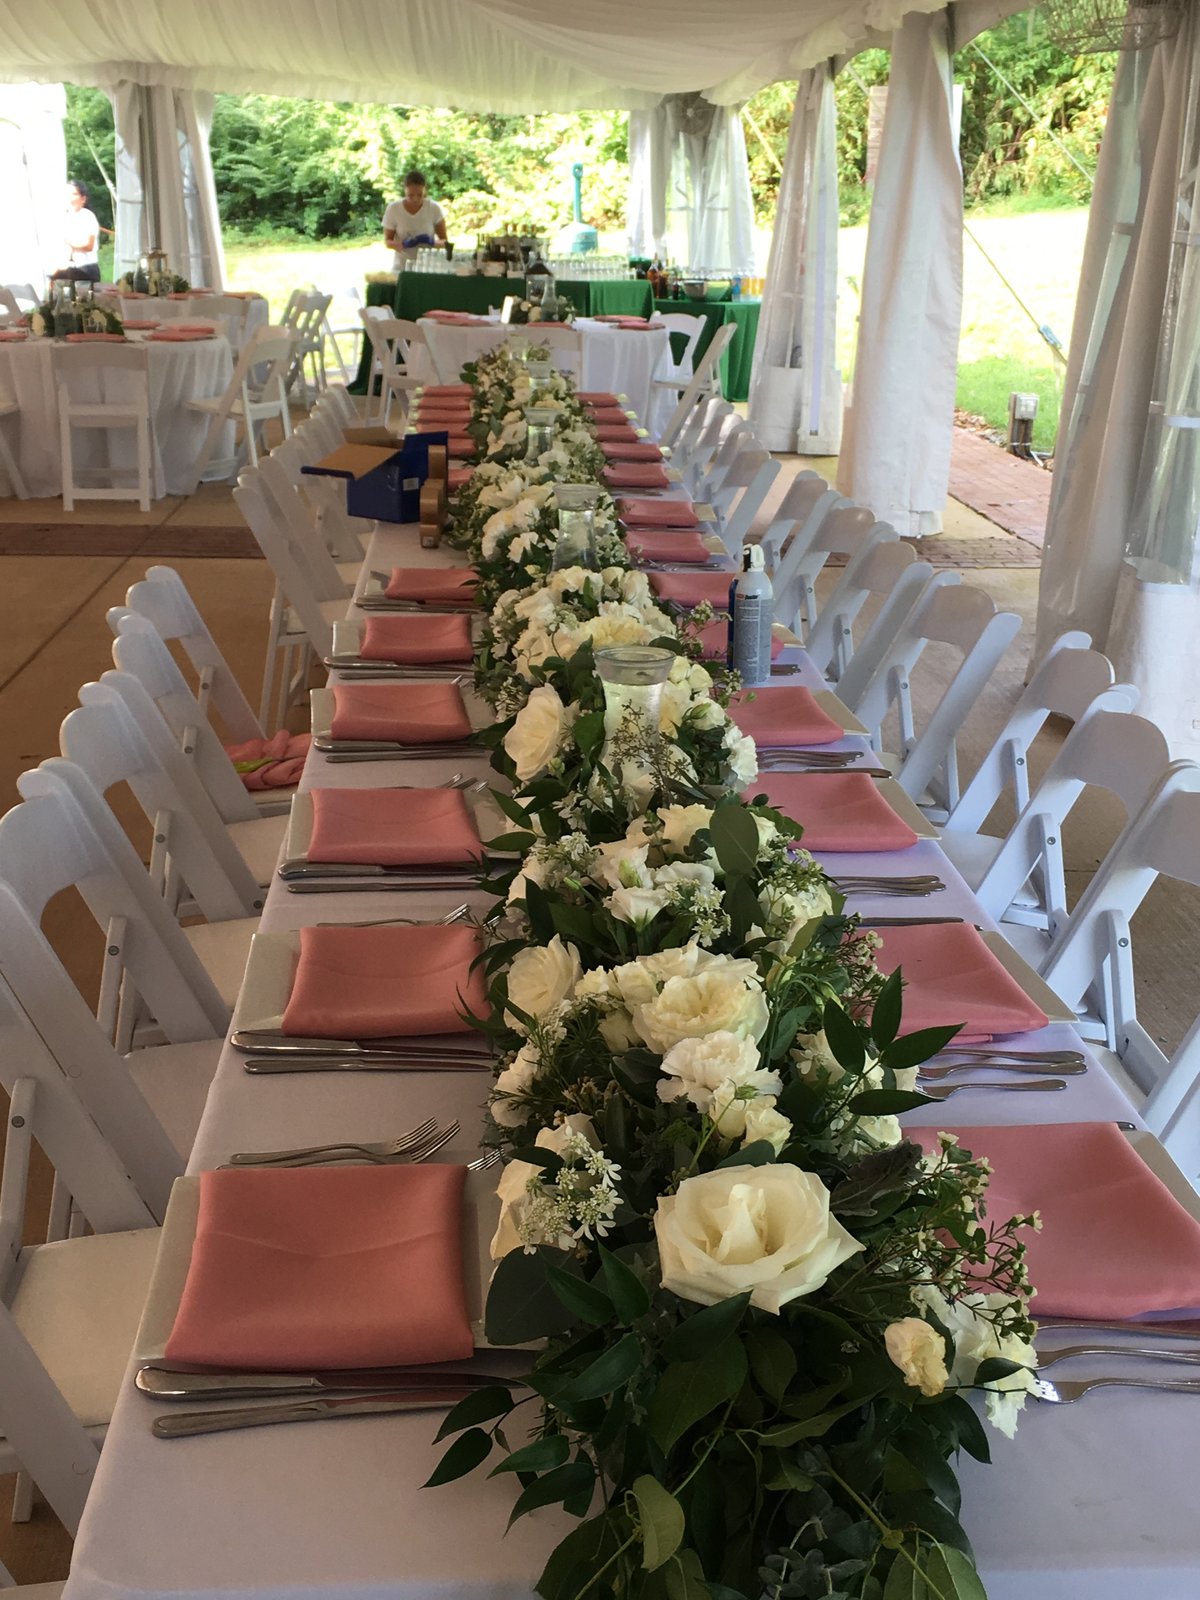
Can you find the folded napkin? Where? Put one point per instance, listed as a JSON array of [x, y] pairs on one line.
[[332, 1267], [443, 411], [1115, 1243], [443, 585], [141, 324], [412, 713], [597, 397], [393, 828], [416, 641], [458, 477], [169, 335], [462, 446], [446, 390], [616, 433], [838, 810], [183, 294], [657, 513], [382, 983], [13, 335], [714, 641], [192, 327], [274, 763], [615, 450], [666, 544], [637, 475], [606, 416], [96, 338], [784, 713], [241, 294], [950, 976], [689, 589]]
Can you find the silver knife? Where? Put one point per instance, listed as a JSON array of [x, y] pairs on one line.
[[165, 1382], [299, 868], [1183, 1329], [261, 1066], [374, 885], [184, 1424], [305, 1045], [370, 747], [906, 922]]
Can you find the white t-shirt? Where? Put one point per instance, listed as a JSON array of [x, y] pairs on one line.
[[411, 224], [82, 226]]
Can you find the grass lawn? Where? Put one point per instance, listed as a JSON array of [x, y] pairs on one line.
[[1000, 351]]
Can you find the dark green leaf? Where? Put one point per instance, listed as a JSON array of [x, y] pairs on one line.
[[697, 1334], [539, 910], [480, 1406], [882, 1173], [540, 1456], [992, 1370], [885, 1015], [923, 1511], [772, 1361], [576, 1478], [521, 1305], [511, 843], [577, 1557], [463, 1456], [741, 903], [913, 1048], [969, 1433], [953, 1573], [886, 1102], [585, 1300], [536, 1155], [758, 1154], [512, 809], [661, 1519], [733, 834], [936, 1472], [844, 1038], [685, 1578], [573, 922], [627, 1291], [588, 732], [608, 1372], [693, 1389]]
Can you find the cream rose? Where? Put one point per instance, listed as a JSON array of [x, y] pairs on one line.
[[542, 976], [513, 1187], [920, 1352], [726, 997], [680, 824], [764, 1123], [712, 1070], [538, 733], [763, 1229], [514, 1080]]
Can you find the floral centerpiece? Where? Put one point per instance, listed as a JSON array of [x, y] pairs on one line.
[[48, 321], [756, 1312]]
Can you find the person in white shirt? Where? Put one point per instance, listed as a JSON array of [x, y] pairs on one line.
[[413, 221], [81, 236]]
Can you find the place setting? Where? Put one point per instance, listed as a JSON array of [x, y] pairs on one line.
[[419, 589], [409, 645], [409, 720]]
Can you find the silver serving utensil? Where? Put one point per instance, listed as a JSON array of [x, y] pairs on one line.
[[414, 1138], [341, 758], [355, 747], [1064, 1392], [1050, 1358], [300, 868], [772, 765], [943, 1091], [1069, 1069], [266, 1042], [185, 1424], [812, 758], [903, 892], [912, 880], [164, 1382]]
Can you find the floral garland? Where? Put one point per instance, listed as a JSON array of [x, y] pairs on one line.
[[756, 1309]]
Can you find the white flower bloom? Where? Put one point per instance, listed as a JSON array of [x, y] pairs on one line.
[[513, 1187], [726, 997], [542, 976], [684, 872], [620, 866], [636, 905], [540, 731], [680, 824], [975, 1340], [743, 755], [514, 1080], [710, 1072], [764, 1122], [919, 1350], [763, 1229]]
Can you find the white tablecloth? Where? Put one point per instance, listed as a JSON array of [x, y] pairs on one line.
[[615, 360], [1096, 1501], [192, 307], [177, 373]]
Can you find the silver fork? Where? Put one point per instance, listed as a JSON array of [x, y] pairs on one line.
[[911, 880], [458, 913], [412, 1140], [1070, 1069], [482, 1163], [339, 1155], [1063, 1393], [943, 1091], [1049, 1358], [889, 891]]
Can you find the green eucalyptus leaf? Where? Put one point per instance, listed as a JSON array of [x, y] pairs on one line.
[[464, 1455], [913, 1048], [479, 1406], [662, 1522], [844, 1038], [588, 1303], [696, 1335], [540, 1456], [628, 1293]]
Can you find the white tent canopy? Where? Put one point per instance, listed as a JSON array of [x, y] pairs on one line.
[[502, 55]]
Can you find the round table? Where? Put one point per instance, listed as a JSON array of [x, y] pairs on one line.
[[177, 372], [192, 307]]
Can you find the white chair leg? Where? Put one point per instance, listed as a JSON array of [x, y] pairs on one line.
[[274, 629], [144, 463], [12, 471], [22, 1501], [68, 478]]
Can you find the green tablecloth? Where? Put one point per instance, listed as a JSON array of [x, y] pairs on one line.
[[415, 293], [739, 358]]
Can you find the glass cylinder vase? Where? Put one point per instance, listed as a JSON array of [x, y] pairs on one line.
[[576, 546], [633, 676], [541, 422]]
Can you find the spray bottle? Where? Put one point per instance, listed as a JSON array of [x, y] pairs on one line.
[[753, 612]]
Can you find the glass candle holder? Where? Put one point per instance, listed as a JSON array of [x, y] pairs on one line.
[[540, 371], [541, 421], [633, 676], [576, 545]]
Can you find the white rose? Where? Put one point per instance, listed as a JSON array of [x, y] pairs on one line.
[[726, 997], [710, 1071], [763, 1229], [743, 757], [681, 824], [617, 1031], [514, 1080], [636, 905], [542, 976], [708, 714], [975, 1341], [513, 1187], [634, 586], [615, 629], [675, 704], [539, 732], [920, 1352], [765, 1123]]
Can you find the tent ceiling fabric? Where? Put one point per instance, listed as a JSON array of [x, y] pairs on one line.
[[502, 56]]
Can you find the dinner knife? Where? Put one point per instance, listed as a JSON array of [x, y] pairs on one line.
[[298, 868], [368, 747], [906, 922], [185, 1424], [262, 1066], [165, 1382], [271, 1043], [374, 885]]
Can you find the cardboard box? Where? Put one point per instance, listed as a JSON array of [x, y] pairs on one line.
[[383, 482]]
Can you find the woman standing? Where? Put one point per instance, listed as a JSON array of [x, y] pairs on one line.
[[413, 221], [81, 236]]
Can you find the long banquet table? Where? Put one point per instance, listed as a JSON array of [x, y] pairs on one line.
[[1096, 1501]]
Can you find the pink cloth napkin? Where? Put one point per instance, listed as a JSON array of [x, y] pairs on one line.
[[637, 475], [332, 1267], [714, 642], [13, 335], [416, 641], [393, 828], [597, 397], [458, 477], [141, 324], [97, 338], [1115, 1243], [446, 390], [168, 335], [615, 433], [690, 588], [838, 810], [637, 451], [449, 316], [274, 763], [412, 713], [784, 713], [443, 413], [950, 976], [607, 416], [192, 327], [657, 513], [462, 446], [659, 544], [443, 585], [382, 983]]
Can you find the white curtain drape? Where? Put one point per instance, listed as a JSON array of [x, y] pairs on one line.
[[896, 447], [795, 386], [33, 180], [709, 205], [165, 191], [649, 168]]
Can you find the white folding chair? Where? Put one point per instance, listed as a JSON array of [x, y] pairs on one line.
[[885, 571], [324, 496], [104, 387], [138, 650], [705, 380], [740, 492], [24, 294], [704, 471], [338, 399], [966, 620], [802, 496], [8, 456], [10, 311], [231, 310], [700, 439], [832, 526], [255, 395], [1094, 955], [352, 332], [392, 340], [306, 316], [674, 374]]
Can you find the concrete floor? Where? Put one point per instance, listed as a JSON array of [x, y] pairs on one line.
[[56, 639]]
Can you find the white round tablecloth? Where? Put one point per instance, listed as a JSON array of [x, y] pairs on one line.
[[178, 372], [144, 308], [617, 360]]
